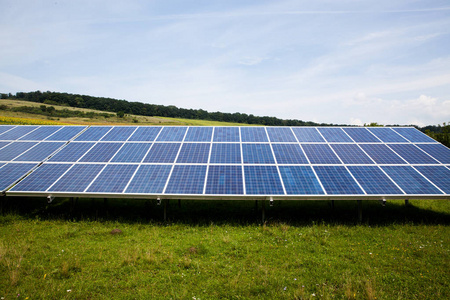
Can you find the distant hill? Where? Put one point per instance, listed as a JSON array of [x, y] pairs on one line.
[[137, 108]]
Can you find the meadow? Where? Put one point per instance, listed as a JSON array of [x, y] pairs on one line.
[[122, 249]]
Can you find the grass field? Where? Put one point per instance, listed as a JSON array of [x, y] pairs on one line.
[[213, 250]]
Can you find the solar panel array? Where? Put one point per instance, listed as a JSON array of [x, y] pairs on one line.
[[223, 162]]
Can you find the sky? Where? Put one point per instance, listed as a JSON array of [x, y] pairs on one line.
[[327, 61]]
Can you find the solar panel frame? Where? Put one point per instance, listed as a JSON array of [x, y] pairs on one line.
[[437, 151], [17, 132]]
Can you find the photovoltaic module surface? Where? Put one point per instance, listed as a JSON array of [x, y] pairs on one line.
[[223, 162]]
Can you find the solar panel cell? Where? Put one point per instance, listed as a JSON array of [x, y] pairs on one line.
[[320, 154], [412, 154], [225, 153], [101, 152], [438, 151], [119, 134], [186, 179], [281, 135], [361, 135], [17, 133], [162, 153], [257, 154], [351, 154], [308, 135], [373, 180], [381, 154], [77, 178], [224, 180], [40, 152], [113, 179], [131, 153], [226, 134], [387, 135], [199, 134], [194, 153], [66, 133], [93, 134], [333, 135], [289, 154], [145, 134], [253, 134], [40, 133], [172, 134], [149, 179], [410, 180], [337, 180], [71, 152], [12, 172], [12, 150], [414, 135], [5, 128], [262, 180], [42, 178], [439, 175], [300, 180]]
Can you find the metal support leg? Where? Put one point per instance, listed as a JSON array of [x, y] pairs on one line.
[[332, 204], [359, 211], [406, 202], [179, 203], [256, 205], [263, 206]]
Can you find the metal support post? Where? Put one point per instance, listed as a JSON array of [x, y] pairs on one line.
[[179, 203], [359, 210], [406, 202], [332, 204]]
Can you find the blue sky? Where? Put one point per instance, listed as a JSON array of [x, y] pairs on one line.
[[346, 62]]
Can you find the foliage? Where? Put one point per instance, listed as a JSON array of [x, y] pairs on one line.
[[60, 113], [27, 121], [138, 108], [439, 133], [57, 253]]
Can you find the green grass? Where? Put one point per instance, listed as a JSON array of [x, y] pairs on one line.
[[211, 250]]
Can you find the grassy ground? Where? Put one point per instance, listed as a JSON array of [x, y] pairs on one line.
[[20, 118], [211, 250]]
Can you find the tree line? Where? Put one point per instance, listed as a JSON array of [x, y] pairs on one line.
[[121, 107]]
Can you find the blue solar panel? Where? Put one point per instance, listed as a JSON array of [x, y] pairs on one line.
[[187, 179], [412, 154], [414, 135], [149, 179], [224, 180], [4, 128], [194, 153], [257, 154], [281, 135], [361, 135], [3, 144], [336, 180], [101, 152], [77, 179], [15, 149], [66, 133], [225, 153], [439, 175], [40, 152], [351, 154], [254, 134], [72, 152], [289, 154], [40, 133], [308, 135], [42, 178], [132, 152], [410, 181], [17, 132], [387, 135], [381, 154], [93, 134], [145, 134], [320, 154], [199, 134], [113, 179], [262, 180], [226, 134], [172, 134], [162, 153], [373, 180], [438, 151], [12, 172], [335, 135], [119, 134], [300, 180]]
